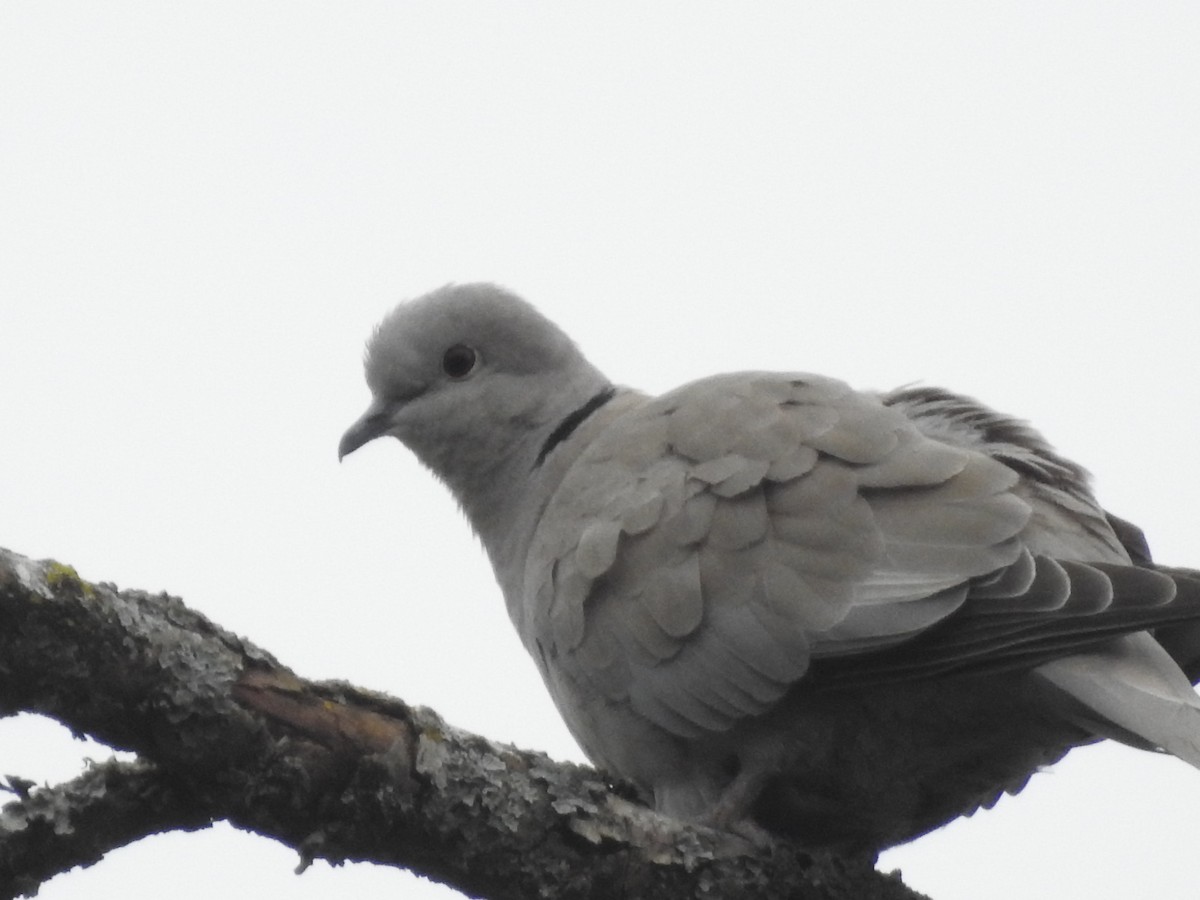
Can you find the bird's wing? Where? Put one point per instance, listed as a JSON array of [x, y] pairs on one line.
[[1132, 687], [713, 546]]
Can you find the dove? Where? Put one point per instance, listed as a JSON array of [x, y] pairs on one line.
[[776, 604]]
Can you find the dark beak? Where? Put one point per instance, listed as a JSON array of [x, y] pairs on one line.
[[372, 424]]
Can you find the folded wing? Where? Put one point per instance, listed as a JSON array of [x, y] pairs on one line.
[[720, 543]]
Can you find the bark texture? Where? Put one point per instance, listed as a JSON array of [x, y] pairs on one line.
[[223, 731]]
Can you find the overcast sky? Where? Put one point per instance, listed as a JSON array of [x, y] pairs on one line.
[[205, 207]]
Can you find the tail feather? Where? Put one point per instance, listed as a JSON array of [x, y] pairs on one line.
[[1132, 691]]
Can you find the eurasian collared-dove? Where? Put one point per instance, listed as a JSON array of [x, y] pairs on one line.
[[773, 601]]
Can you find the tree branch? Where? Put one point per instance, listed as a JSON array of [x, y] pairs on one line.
[[224, 731], [112, 804]]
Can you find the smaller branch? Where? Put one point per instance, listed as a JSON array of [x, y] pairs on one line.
[[51, 830]]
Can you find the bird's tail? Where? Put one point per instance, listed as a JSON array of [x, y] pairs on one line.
[[1138, 688]]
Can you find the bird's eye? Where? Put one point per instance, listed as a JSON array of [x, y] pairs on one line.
[[459, 361]]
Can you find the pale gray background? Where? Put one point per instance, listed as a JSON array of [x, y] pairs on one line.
[[205, 207]]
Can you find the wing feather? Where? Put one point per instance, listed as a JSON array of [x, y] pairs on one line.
[[711, 547]]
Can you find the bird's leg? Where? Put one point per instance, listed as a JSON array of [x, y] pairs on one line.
[[732, 811]]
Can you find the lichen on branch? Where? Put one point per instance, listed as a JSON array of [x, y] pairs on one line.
[[222, 730]]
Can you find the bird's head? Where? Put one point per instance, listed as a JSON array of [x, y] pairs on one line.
[[468, 377]]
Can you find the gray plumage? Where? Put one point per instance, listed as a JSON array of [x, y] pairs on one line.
[[771, 600]]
